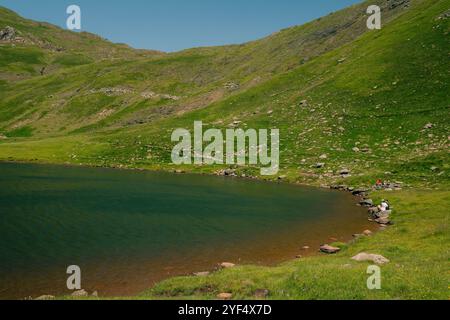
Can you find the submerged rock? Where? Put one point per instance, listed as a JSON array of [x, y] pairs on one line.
[[375, 258]]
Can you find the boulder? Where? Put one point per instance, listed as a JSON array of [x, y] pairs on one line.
[[227, 265], [329, 249], [7, 34], [224, 296], [375, 258]]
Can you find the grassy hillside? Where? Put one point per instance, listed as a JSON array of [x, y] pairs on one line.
[[376, 93], [373, 102], [118, 87]]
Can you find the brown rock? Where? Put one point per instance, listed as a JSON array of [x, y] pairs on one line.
[[224, 296], [329, 249], [227, 265]]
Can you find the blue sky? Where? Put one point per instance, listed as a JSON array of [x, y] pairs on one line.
[[172, 25]]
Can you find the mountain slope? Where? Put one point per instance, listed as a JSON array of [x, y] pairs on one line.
[[83, 88], [368, 102]]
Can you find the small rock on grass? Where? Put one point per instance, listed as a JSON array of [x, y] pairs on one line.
[[45, 297], [329, 249], [80, 293], [224, 296], [375, 258], [367, 232], [262, 293], [227, 265], [202, 274]]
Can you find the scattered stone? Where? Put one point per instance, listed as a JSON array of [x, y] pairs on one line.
[[428, 126], [358, 192], [232, 86], [306, 248], [383, 221], [202, 274], [356, 149], [3, 137], [282, 177], [304, 103], [320, 165], [80, 293], [227, 265], [94, 294], [262, 293], [375, 258], [323, 156], [366, 203], [367, 233], [344, 172], [224, 296], [45, 297], [329, 249]]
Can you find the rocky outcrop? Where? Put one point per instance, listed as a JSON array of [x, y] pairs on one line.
[[7, 34]]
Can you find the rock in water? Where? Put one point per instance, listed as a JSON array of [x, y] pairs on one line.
[[366, 203], [375, 258], [329, 249]]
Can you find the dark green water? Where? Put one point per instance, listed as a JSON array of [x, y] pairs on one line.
[[128, 229]]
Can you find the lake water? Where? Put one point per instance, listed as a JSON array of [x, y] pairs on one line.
[[130, 229]]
